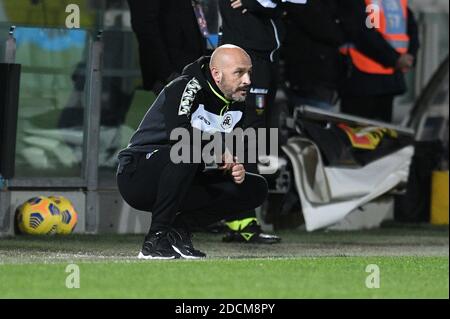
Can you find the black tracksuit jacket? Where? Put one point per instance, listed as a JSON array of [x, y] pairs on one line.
[[311, 49], [168, 35], [187, 102], [260, 33]]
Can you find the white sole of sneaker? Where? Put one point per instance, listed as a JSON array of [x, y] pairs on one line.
[[142, 256], [184, 256]]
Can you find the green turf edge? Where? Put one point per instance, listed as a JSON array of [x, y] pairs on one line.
[[323, 277]]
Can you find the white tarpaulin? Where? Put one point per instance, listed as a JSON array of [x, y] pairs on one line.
[[329, 194]]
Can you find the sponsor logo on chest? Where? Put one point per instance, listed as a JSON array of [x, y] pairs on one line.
[[211, 123]]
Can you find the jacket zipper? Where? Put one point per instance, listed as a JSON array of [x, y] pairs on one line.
[[225, 108]]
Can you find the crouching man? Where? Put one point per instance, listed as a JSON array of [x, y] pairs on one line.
[[209, 97]]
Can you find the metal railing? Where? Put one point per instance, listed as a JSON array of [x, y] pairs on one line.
[[88, 180]]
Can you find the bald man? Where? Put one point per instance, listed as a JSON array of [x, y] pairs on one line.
[[208, 97]]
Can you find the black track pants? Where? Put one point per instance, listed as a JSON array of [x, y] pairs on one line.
[[262, 92], [260, 100], [184, 191]]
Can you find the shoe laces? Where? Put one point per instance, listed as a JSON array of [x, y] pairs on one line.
[[184, 236], [152, 240]]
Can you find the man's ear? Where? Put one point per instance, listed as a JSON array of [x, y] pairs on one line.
[[216, 75]]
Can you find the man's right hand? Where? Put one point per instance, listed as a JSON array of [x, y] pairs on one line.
[[238, 172], [405, 62]]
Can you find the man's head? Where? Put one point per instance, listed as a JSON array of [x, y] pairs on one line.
[[231, 69]]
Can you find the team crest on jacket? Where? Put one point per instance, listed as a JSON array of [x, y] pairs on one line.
[[261, 101], [260, 104], [227, 122], [188, 97]]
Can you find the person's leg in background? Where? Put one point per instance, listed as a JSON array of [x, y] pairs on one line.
[[245, 226], [378, 108], [260, 93]]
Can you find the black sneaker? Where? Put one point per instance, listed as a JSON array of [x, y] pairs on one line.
[[181, 240], [158, 246], [252, 233]]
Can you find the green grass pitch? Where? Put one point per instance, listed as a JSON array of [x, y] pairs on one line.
[[413, 262]]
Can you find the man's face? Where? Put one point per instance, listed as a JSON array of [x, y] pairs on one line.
[[235, 81]]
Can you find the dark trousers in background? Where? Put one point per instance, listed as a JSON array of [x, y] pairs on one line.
[[183, 194], [260, 99], [378, 108], [262, 91]]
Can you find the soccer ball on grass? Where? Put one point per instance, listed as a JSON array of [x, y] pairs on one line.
[[38, 216], [69, 216]]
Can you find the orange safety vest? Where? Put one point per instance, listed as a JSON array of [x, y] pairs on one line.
[[393, 27]]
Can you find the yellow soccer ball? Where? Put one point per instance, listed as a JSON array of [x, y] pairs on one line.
[[68, 215], [38, 216]]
